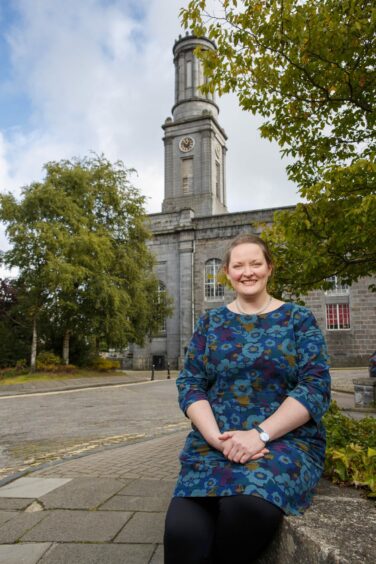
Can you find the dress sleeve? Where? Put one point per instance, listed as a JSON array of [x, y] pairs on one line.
[[192, 382], [313, 387]]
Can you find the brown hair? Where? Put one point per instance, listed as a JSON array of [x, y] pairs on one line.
[[247, 238]]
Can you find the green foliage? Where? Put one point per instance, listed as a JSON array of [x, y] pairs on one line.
[[14, 332], [351, 450], [330, 235], [105, 364], [79, 241], [47, 360], [308, 68]]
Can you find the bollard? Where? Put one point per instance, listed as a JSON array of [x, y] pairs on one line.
[[152, 371], [168, 371]]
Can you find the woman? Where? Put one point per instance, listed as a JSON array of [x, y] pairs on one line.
[[255, 386]]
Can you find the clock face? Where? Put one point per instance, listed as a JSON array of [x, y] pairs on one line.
[[186, 144], [218, 150]]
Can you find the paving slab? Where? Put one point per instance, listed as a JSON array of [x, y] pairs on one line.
[[149, 488], [6, 516], [99, 554], [158, 556], [136, 503], [82, 493], [13, 529], [32, 487], [9, 503], [143, 528], [22, 553], [78, 526]]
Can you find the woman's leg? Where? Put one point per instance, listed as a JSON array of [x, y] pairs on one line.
[[190, 529], [245, 526]]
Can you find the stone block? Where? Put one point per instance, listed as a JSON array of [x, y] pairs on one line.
[[82, 493], [6, 516], [22, 553], [78, 526], [158, 556], [98, 554], [32, 487], [365, 392], [136, 503], [150, 488], [9, 503], [13, 529], [143, 528]]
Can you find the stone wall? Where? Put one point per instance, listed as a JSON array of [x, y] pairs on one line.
[[349, 347], [182, 243]]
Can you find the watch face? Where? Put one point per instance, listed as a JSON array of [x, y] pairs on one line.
[[186, 144], [264, 437]]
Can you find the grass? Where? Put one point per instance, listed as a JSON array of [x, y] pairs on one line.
[[52, 376]]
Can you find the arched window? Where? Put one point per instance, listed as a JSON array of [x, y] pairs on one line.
[[213, 289]]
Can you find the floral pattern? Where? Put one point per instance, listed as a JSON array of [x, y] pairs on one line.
[[245, 366]]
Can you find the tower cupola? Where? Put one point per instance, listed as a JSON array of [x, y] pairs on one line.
[[195, 143], [189, 76]]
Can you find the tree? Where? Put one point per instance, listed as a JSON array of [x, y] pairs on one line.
[[308, 68], [79, 241], [14, 342]]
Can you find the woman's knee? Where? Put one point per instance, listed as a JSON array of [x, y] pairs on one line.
[[189, 532]]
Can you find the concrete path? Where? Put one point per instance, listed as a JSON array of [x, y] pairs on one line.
[[109, 507]]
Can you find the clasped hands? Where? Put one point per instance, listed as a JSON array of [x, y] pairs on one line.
[[241, 446]]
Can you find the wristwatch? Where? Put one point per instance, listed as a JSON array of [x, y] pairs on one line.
[[264, 436]]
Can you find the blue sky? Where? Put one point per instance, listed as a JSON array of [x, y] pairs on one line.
[[97, 75]]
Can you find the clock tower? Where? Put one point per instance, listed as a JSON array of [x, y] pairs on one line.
[[195, 143]]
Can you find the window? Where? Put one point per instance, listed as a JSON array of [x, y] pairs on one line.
[[337, 305], [213, 289], [187, 175], [218, 180], [338, 316], [161, 300], [338, 288], [188, 77]]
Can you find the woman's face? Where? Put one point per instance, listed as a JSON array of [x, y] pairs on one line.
[[248, 270]]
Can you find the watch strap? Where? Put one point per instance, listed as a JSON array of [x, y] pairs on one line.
[[263, 434]]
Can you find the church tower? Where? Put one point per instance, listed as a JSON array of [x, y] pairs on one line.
[[194, 142]]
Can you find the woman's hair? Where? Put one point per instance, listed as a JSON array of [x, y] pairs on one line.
[[247, 238]]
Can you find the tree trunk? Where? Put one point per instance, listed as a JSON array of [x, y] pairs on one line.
[[33, 359], [66, 347]]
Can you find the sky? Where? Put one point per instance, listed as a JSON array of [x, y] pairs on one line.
[[97, 76]]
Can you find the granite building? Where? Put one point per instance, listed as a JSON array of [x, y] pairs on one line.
[[195, 227]]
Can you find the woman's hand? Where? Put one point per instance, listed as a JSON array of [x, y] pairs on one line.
[[242, 446]]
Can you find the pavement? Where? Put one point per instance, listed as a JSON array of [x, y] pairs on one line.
[[104, 507]]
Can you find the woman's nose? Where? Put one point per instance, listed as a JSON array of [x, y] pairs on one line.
[[247, 270]]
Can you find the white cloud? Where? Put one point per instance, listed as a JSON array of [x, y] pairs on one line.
[[100, 80]]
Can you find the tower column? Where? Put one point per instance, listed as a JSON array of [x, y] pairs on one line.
[[194, 140]]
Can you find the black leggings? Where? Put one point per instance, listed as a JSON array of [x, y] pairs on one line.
[[219, 530]]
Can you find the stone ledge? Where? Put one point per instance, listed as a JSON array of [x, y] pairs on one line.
[[339, 528]]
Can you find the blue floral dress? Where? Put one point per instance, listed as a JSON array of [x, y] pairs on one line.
[[245, 366]]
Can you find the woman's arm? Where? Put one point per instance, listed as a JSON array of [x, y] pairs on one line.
[[201, 415], [241, 446]]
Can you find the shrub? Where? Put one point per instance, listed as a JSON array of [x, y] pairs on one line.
[[47, 361], [105, 364], [351, 450]]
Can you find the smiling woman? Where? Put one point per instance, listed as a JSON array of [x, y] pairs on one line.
[[248, 266], [255, 385]]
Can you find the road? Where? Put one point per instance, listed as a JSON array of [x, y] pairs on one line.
[[41, 427]]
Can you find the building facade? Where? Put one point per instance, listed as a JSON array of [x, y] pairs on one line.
[[194, 229]]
